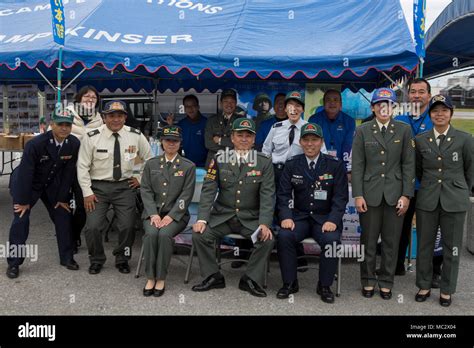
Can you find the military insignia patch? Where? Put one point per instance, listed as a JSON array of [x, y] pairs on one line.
[[412, 143], [134, 130], [179, 173], [65, 157]]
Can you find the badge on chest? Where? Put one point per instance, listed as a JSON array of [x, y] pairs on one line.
[[319, 193]]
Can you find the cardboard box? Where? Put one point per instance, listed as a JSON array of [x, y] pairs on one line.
[[26, 138], [11, 142]]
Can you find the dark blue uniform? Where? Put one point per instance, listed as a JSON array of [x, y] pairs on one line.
[[309, 213], [47, 175]]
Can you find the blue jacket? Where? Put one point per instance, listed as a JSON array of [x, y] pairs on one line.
[[193, 140], [419, 126], [338, 134], [296, 178], [43, 168]]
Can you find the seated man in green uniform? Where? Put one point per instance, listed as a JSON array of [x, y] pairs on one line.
[[244, 184]]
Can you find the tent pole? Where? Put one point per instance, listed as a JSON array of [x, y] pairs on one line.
[[45, 78], [155, 107], [75, 77], [60, 64], [420, 67]]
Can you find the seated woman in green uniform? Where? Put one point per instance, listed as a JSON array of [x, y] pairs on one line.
[[167, 188]]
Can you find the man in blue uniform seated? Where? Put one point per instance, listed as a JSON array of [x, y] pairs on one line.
[[46, 172], [312, 199], [338, 127]]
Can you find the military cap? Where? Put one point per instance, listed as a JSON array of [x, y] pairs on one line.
[[115, 106], [295, 95], [63, 116], [171, 132], [440, 99], [244, 124], [311, 128]]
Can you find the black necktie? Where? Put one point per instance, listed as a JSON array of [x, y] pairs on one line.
[[58, 147], [242, 163], [117, 170], [312, 166], [168, 164], [384, 130], [292, 134], [441, 138]]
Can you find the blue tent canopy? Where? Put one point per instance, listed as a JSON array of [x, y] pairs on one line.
[[207, 43], [450, 40]]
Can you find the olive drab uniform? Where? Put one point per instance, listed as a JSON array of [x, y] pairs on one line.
[[219, 126], [446, 177], [167, 188], [244, 201], [383, 170]]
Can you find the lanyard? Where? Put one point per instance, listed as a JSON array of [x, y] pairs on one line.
[[412, 124]]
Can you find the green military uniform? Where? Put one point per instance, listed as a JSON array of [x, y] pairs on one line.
[[167, 188], [446, 176], [218, 125], [383, 170], [102, 152], [244, 201]]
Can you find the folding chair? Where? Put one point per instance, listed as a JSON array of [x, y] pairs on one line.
[[142, 252], [219, 258], [307, 256]]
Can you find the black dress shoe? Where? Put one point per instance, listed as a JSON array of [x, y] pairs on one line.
[[445, 302], [400, 270], [13, 272], [386, 295], [436, 280], [95, 268], [368, 293], [247, 284], [287, 290], [123, 267], [159, 292], [148, 292], [72, 265], [325, 293], [214, 281], [422, 297], [302, 262]]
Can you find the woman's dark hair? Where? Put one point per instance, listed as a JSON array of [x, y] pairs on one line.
[[84, 90]]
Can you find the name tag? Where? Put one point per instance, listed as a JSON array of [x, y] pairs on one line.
[[102, 150], [320, 195]]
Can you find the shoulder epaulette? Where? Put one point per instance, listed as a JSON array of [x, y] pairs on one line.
[[278, 124], [134, 130], [93, 132]]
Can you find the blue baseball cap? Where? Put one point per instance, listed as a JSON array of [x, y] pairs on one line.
[[441, 99], [383, 94]]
